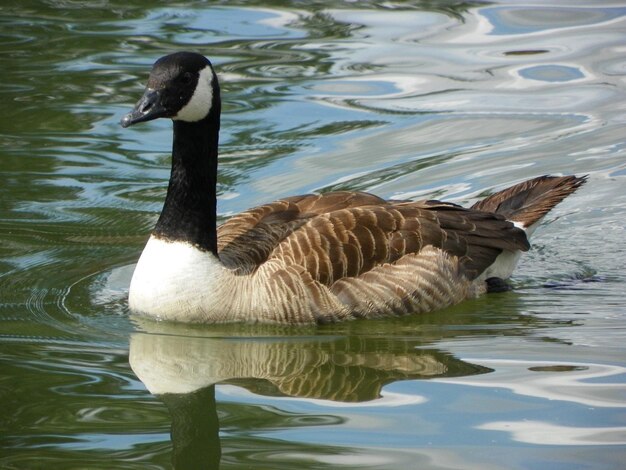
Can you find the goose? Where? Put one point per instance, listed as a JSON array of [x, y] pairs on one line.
[[313, 258]]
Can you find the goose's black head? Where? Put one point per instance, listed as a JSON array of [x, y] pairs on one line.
[[182, 86]]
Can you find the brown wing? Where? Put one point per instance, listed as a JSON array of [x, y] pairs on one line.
[[349, 242], [345, 234], [247, 239]]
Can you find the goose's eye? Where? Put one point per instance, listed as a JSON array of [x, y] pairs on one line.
[[186, 78]]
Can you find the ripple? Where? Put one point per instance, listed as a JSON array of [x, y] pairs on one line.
[[549, 434], [98, 302], [552, 73], [526, 52], [507, 20], [585, 384]]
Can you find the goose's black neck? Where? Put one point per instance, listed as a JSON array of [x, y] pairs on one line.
[[189, 212]]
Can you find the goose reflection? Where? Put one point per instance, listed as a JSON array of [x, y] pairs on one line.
[[182, 367]]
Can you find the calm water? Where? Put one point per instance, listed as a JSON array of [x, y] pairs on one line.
[[408, 100]]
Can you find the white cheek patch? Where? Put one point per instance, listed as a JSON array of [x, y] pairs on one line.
[[200, 103]]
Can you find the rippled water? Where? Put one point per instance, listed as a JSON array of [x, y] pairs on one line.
[[408, 100]]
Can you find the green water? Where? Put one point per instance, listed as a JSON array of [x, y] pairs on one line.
[[407, 100]]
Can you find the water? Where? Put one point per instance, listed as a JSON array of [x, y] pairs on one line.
[[422, 100]]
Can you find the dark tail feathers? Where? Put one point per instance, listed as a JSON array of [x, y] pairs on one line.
[[529, 201]]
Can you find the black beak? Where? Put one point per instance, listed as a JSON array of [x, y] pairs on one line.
[[149, 107]]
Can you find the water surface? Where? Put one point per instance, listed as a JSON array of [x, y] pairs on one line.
[[408, 100]]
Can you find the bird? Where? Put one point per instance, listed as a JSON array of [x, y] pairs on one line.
[[313, 258]]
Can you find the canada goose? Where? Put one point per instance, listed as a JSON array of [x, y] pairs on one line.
[[318, 257]]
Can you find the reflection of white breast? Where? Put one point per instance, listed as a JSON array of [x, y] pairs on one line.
[[174, 364]]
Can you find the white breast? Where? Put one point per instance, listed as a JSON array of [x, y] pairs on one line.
[[175, 281]]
